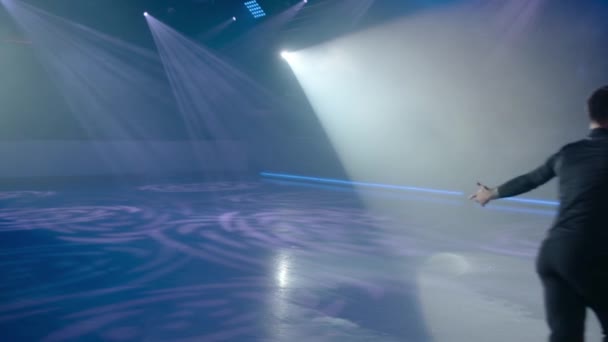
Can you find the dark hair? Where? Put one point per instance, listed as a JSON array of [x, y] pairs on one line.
[[598, 105]]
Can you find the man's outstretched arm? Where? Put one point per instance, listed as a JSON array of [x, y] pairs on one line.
[[518, 185]]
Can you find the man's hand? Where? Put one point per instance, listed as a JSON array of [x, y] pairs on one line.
[[483, 195]]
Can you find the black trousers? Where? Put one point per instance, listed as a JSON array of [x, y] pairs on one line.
[[574, 274]]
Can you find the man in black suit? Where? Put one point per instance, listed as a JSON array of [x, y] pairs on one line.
[[573, 259]]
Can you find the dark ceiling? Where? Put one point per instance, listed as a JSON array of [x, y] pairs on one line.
[[123, 19]]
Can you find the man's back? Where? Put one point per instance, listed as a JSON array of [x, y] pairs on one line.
[[582, 169]]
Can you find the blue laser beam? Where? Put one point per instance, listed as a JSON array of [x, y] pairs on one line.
[[375, 185], [396, 187], [532, 201]]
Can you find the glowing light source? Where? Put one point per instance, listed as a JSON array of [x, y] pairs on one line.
[[255, 9], [285, 54], [145, 14], [233, 18]]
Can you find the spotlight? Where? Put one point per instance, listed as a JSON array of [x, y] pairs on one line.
[[255, 9], [233, 18], [145, 14], [286, 54], [305, 1]]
